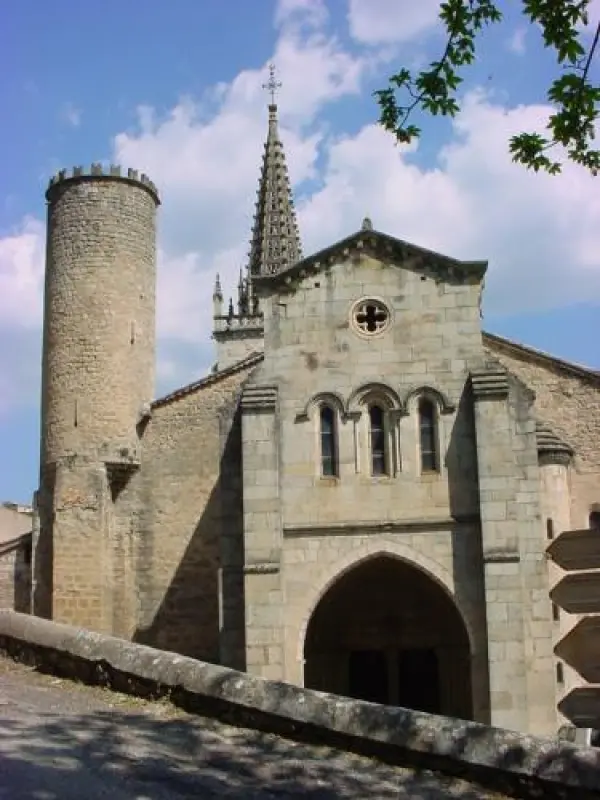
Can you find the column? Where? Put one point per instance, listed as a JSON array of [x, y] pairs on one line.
[[500, 538], [262, 533]]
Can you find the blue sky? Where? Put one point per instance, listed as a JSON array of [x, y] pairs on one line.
[[175, 89]]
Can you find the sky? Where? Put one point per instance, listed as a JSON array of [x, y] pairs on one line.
[[176, 90]]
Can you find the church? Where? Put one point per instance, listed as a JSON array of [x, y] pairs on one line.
[[358, 498]]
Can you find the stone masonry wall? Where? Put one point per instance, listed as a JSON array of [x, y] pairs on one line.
[[237, 345], [570, 404], [98, 363], [179, 554], [326, 525], [97, 375], [15, 578], [314, 561], [311, 352], [432, 343]]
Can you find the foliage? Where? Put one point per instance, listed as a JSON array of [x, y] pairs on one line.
[[573, 96]]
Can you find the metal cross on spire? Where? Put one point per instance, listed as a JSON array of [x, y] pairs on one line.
[[272, 85]]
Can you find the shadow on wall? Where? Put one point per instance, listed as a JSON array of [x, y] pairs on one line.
[[467, 548], [461, 460], [186, 621], [202, 612], [22, 578]]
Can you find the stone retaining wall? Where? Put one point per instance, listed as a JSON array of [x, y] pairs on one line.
[[498, 759]]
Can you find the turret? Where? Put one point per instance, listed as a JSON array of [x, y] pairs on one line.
[[217, 298], [97, 376]]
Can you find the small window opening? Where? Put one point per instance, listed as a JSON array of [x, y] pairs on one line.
[[427, 435], [595, 520], [555, 612], [560, 673], [329, 456], [377, 440], [549, 528]]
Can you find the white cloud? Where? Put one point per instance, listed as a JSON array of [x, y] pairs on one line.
[[21, 285], [540, 234], [516, 42], [22, 275], [209, 189], [391, 21], [311, 13], [71, 115]]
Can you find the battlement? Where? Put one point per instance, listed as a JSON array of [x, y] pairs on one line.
[[98, 171], [233, 324]]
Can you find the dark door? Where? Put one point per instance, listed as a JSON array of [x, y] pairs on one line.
[[368, 676], [419, 680]]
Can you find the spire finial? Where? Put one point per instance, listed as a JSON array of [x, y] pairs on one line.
[[272, 85]]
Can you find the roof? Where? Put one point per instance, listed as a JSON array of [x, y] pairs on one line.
[[539, 357], [209, 380], [380, 244]]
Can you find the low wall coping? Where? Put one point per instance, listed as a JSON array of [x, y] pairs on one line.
[[470, 750]]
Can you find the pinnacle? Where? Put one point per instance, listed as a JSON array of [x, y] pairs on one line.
[[275, 243]]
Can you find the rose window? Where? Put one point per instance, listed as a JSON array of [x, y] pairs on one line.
[[371, 317]]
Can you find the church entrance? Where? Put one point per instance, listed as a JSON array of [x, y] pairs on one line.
[[387, 633]]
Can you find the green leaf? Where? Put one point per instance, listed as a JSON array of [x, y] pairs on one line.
[[574, 97]]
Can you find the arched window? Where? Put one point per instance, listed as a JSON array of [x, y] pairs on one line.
[[329, 450], [428, 436], [377, 440]]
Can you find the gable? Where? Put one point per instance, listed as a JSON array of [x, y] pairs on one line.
[[379, 246]]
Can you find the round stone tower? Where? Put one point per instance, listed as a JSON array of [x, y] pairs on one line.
[[97, 381], [99, 312]]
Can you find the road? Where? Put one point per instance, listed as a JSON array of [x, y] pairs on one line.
[[62, 740]]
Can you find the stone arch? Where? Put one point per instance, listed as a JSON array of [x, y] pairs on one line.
[[422, 651], [332, 399], [441, 400], [357, 556], [375, 390]]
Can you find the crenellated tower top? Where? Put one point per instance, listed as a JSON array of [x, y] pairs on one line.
[[98, 172]]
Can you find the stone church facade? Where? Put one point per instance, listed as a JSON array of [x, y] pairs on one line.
[[358, 498]]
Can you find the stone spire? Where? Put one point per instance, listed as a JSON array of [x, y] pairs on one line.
[[275, 243]]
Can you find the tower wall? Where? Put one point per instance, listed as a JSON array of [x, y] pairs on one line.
[[97, 378], [556, 510], [99, 313]]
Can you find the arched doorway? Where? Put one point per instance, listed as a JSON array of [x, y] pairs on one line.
[[388, 633]]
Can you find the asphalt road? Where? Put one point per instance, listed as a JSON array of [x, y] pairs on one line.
[[63, 740]]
